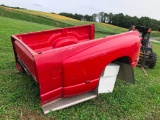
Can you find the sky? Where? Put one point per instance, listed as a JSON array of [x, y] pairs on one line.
[[139, 8]]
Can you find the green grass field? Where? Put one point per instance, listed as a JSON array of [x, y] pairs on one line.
[[56, 20], [19, 93]]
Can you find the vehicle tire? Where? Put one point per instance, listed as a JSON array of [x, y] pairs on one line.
[[153, 60]]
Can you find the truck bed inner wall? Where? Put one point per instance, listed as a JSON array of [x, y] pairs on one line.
[[45, 40]]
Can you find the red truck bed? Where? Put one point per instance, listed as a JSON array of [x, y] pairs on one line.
[[69, 61]]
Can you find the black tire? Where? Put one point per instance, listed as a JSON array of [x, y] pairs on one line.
[[153, 60]]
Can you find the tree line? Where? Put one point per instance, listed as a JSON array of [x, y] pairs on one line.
[[12, 7], [120, 19]]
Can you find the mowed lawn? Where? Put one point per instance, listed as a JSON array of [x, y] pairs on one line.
[[19, 93]]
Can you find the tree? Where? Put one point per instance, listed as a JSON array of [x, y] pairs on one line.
[[106, 18], [88, 18], [94, 17], [117, 19], [101, 16], [110, 18]]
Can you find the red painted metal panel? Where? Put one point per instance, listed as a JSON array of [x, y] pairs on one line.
[[46, 66], [45, 40], [24, 55], [90, 63], [80, 88], [67, 61], [51, 95]]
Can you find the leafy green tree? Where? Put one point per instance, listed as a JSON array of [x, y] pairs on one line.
[[94, 16], [120, 19]]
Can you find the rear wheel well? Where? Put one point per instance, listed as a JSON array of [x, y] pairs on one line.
[[123, 60], [110, 74], [125, 71]]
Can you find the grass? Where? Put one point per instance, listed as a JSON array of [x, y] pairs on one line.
[[15, 14], [60, 21], [100, 27], [19, 96], [56, 20], [50, 16], [155, 34]]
